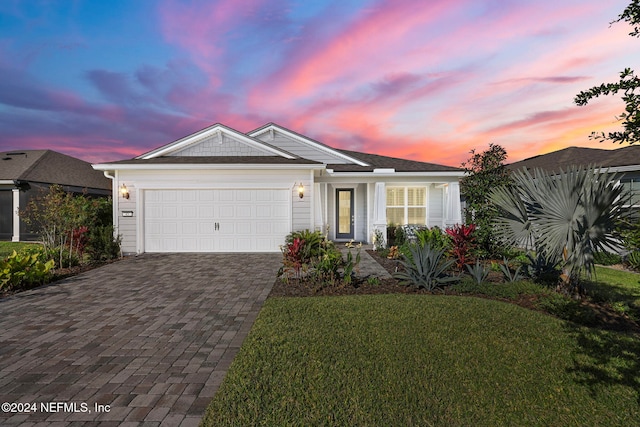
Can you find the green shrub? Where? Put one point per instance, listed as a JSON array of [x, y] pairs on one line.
[[425, 268], [509, 274], [434, 237], [478, 272], [62, 257], [102, 246], [311, 241], [21, 270], [606, 258], [633, 260]]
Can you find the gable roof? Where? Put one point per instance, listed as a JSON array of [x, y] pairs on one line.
[[579, 156], [309, 142], [200, 135], [50, 167], [168, 156]]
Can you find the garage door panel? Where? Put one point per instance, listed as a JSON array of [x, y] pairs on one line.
[[216, 220]]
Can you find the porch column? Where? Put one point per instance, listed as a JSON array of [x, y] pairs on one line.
[[453, 211], [16, 215], [380, 211], [318, 208]]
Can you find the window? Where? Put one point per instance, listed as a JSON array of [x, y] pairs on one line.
[[632, 185], [407, 205]]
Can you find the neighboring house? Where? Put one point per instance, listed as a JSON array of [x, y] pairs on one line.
[[24, 172], [625, 161], [222, 190]]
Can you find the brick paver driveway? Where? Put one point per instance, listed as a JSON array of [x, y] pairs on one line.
[[144, 341]]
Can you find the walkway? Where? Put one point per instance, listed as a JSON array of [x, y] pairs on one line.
[[144, 341]]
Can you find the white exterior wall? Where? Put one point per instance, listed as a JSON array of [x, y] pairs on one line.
[[131, 229], [364, 199], [293, 146]]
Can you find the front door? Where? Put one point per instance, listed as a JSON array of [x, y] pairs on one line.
[[344, 213]]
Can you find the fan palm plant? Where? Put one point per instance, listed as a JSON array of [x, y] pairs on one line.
[[564, 217]]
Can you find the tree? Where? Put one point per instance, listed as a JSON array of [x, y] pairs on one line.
[[628, 84], [485, 171], [564, 217]]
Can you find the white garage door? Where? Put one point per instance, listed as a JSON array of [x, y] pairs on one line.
[[234, 220]]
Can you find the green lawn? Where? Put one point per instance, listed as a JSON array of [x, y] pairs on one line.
[[7, 248], [621, 289], [426, 360]]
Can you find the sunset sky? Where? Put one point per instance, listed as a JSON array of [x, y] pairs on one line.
[[422, 79]]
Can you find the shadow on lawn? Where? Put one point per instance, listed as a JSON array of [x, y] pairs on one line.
[[606, 358]]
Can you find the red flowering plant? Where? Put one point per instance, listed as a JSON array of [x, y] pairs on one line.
[[463, 242], [293, 256]]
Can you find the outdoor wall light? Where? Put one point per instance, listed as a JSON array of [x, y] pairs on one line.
[[124, 191], [301, 190]]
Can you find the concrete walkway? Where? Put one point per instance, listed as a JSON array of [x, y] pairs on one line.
[[144, 341]]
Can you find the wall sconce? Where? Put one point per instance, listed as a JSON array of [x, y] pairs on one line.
[[124, 191], [301, 190]]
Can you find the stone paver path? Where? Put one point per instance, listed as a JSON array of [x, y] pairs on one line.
[[144, 341]]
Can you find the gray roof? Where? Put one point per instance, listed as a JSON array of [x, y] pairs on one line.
[[383, 162], [50, 167], [578, 156]]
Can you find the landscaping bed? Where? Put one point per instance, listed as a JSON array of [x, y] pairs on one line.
[[525, 294]]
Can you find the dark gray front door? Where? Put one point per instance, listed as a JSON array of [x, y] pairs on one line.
[[344, 213]]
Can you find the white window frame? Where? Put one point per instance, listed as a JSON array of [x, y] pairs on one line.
[[405, 206]]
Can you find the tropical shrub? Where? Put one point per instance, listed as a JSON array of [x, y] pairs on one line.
[[633, 260], [311, 243], [21, 270], [478, 271], [541, 269], [564, 217], [462, 243], [433, 237], [425, 268], [510, 275]]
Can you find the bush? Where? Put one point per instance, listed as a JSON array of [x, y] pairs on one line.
[[633, 260], [21, 270], [463, 243], [425, 268], [434, 237], [102, 246], [606, 258]]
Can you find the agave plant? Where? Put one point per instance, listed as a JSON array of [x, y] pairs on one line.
[[425, 268], [565, 216]]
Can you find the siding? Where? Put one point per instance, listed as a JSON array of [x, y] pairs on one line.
[[219, 145], [300, 149]]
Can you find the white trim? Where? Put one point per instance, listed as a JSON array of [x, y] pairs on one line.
[[204, 166], [395, 174], [7, 182], [16, 215], [629, 168], [311, 143], [216, 129]]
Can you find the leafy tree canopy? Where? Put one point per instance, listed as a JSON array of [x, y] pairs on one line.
[[485, 171], [628, 84]]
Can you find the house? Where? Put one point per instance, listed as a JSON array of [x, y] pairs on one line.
[[221, 190], [24, 172], [625, 161]]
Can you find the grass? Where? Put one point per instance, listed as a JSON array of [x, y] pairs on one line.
[[426, 360], [620, 289], [7, 248]]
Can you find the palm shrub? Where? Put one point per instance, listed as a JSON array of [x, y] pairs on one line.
[[564, 217], [426, 267], [433, 236]]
